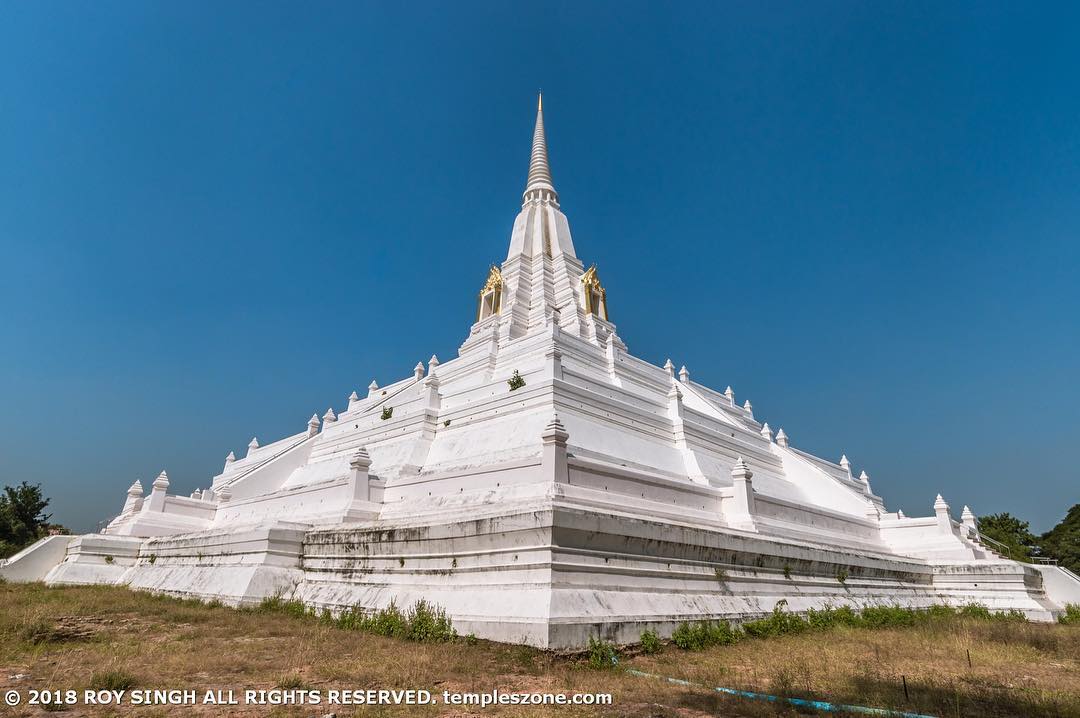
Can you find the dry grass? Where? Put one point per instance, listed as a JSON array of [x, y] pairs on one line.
[[73, 637]]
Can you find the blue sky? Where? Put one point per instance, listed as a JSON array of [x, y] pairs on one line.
[[216, 219]]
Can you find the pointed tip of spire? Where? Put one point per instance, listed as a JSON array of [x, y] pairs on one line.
[[353, 397], [539, 186], [540, 101]]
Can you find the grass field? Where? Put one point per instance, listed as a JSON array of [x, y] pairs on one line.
[[78, 637]]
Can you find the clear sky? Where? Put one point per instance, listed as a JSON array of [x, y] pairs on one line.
[[218, 218]]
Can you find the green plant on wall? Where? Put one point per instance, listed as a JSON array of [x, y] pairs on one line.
[[387, 412], [516, 381]]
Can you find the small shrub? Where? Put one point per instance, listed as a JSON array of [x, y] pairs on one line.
[[721, 575], [602, 654], [389, 621], [940, 611], [516, 381], [446, 423], [424, 622], [650, 642], [387, 412], [214, 603], [778, 623], [152, 559], [291, 607], [830, 617], [975, 610], [429, 624], [291, 682], [841, 575], [1071, 615], [471, 639], [114, 680], [697, 636], [787, 572], [109, 559], [888, 617]]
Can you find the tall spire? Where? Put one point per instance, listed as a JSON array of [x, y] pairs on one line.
[[539, 184]]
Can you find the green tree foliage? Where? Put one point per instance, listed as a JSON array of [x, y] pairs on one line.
[[22, 517], [1010, 531], [1063, 541]]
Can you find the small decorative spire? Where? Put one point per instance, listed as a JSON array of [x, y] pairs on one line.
[[313, 425], [418, 370], [766, 432], [670, 368], [845, 464], [748, 408], [730, 394], [684, 375], [354, 397], [966, 514], [432, 363], [329, 417], [253, 444], [361, 460], [741, 471], [230, 458], [162, 481], [781, 437], [135, 490], [900, 514], [555, 431], [865, 478], [372, 387], [939, 504]]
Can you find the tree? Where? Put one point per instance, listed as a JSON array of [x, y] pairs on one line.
[[1063, 541], [1012, 532], [22, 517]]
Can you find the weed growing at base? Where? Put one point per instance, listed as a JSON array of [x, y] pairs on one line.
[[602, 654], [424, 622], [650, 642], [700, 635]]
